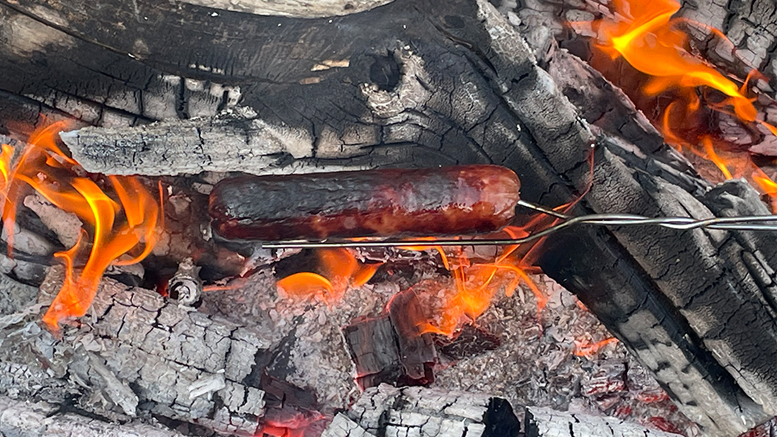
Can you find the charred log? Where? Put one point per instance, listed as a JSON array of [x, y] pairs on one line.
[[19, 418], [543, 422], [385, 410], [140, 355]]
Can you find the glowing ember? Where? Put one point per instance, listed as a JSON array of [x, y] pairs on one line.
[[587, 349], [295, 425], [338, 269], [645, 35], [117, 227], [475, 285]]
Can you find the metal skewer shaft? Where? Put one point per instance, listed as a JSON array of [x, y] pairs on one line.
[[743, 223]]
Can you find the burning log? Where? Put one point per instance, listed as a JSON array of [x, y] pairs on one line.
[[233, 140], [385, 410], [544, 422], [44, 420], [180, 364]]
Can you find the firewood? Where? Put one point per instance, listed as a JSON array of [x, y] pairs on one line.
[[389, 411], [135, 348], [20, 418], [545, 422], [233, 140]]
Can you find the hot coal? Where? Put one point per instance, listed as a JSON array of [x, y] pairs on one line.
[[392, 202]]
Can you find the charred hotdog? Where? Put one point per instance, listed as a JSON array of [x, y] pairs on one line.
[[389, 202]]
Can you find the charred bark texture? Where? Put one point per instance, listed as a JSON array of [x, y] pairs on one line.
[[389, 411], [20, 418], [544, 422], [429, 83], [134, 348]]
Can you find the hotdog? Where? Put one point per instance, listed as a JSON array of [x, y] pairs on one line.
[[386, 202]]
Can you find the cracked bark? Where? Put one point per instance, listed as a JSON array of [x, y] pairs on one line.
[[136, 348], [388, 411], [545, 422], [425, 83]]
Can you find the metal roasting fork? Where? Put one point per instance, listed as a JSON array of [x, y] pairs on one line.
[[743, 223]]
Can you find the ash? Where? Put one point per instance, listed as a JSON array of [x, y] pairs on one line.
[[536, 365], [529, 364]]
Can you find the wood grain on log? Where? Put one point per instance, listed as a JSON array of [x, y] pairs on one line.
[[544, 422], [389, 411], [293, 8]]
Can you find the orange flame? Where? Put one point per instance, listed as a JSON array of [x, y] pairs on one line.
[[64, 183], [338, 270], [645, 35], [648, 39], [587, 349], [476, 285]]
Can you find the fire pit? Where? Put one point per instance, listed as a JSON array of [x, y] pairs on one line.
[[140, 299]]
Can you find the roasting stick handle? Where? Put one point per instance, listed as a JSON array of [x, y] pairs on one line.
[[743, 223]]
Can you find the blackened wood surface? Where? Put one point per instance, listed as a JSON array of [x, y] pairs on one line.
[[435, 83]]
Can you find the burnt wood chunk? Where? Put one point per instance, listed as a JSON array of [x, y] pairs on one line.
[[416, 348], [372, 344], [390, 202], [41, 419], [542, 422], [389, 411], [390, 348], [139, 353], [342, 426]]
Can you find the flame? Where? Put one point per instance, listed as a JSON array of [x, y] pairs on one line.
[[117, 227], [646, 36], [587, 349], [338, 269], [476, 284], [648, 39]]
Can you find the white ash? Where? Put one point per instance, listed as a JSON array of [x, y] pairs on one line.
[[15, 296], [316, 358], [28, 241], [535, 365]]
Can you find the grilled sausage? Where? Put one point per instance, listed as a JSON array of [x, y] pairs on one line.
[[387, 202]]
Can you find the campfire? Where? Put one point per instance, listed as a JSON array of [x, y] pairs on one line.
[[407, 218]]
